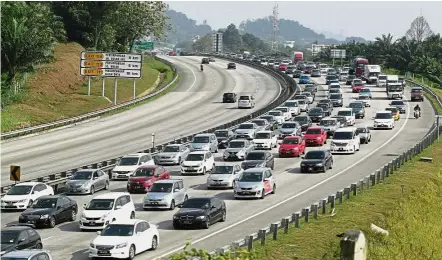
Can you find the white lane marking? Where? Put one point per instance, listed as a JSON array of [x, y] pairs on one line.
[[296, 195], [47, 238], [194, 76]]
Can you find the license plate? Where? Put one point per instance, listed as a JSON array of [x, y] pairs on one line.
[[154, 203], [187, 222], [287, 152], [102, 252], [31, 221], [137, 187], [121, 176], [341, 149], [92, 223], [310, 169], [259, 145], [246, 192], [216, 183]]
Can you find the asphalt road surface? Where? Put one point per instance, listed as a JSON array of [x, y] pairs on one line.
[[194, 105], [294, 190]]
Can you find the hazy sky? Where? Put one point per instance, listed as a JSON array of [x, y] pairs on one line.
[[364, 19]]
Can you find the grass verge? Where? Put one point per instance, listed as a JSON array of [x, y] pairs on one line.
[[57, 91]]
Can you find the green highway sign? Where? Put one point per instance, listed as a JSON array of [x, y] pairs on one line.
[[144, 46]]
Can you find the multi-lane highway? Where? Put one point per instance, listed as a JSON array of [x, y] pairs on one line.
[[294, 190], [194, 105]]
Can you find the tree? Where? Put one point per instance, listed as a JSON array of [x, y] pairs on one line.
[[419, 30], [203, 44], [231, 38]]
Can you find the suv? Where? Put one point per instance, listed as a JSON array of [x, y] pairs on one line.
[[204, 142], [383, 119], [349, 115], [205, 61], [229, 98], [417, 93], [231, 65], [198, 163], [246, 101], [345, 140], [129, 163], [224, 136], [165, 194], [106, 208]]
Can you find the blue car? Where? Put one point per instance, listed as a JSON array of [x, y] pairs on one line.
[[304, 79]]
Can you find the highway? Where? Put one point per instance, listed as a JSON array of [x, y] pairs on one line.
[[194, 105], [294, 190]]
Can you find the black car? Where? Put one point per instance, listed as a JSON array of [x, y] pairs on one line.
[[201, 211], [342, 120], [358, 109], [316, 114], [19, 238], [50, 210], [205, 61], [304, 121], [326, 108], [259, 159], [317, 161], [316, 73], [230, 98], [297, 73], [349, 79], [231, 65], [224, 136], [273, 124]]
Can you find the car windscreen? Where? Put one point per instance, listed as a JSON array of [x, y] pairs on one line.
[[161, 187], [255, 156], [290, 141], [397, 103], [100, 204], [283, 109], [289, 125], [222, 134], [245, 126], [142, 172], [118, 230], [195, 157], [383, 116], [291, 104], [127, 161], [275, 113], [362, 130], [251, 177], [342, 135], [326, 122], [82, 175], [9, 237], [315, 155], [20, 190], [45, 203], [222, 169], [344, 113], [315, 110], [302, 119], [172, 149], [356, 105], [262, 136], [201, 139], [313, 131], [268, 118], [244, 98], [259, 122], [415, 90], [236, 144], [228, 94], [196, 203]]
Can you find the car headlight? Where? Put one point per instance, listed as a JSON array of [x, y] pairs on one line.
[[318, 138], [240, 153], [176, 217], [255, 187], [122, 245], [21, 201], [92, 245], [319, 164], [44, 216], [226, 153], [83, 215], [85, 184], [201, 217], [261, 165]]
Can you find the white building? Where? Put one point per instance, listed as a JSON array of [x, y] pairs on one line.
[[290, 44]]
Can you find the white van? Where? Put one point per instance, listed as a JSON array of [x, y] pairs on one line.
[[383, 119], [349, 115], [293, 106], [345, 140], [246, 101]]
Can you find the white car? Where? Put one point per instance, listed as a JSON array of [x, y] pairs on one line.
[[255, 183], [309, 97], [286, 112], [293, 107], [127, 165], [198, 162], [105, 209], [383, 119], [324, 71], [334, 86], [365, 99], [224, 176], [265, 140], [345, 141], [279, 116], [303, 105], [22, 195], [246, 101], [124, 239], [349, 115]]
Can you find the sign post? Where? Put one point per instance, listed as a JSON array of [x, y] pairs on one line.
[[135, 89], [147, 46], [111, 65], [217, 42], [337, 54], [14, 173]]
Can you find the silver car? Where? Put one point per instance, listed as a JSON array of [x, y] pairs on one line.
[[223, 176], [204, 142], [290, 128], [263, 124], [364, 135], [330, 125], [246, 130], [173, 154], [87, 181], [237, 150], [28, 254], [165, 194]]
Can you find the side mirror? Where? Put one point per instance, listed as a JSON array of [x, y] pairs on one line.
[[22, 239], [99, 233], [118, 207], [213, 207], [33, 192], [84, 206], [95, 178], [302, 157], [176, 190], [157, 175], [58, 207]]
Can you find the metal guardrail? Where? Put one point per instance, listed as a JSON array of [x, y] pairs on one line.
[[312, 211], [289, 88], [76, 119]]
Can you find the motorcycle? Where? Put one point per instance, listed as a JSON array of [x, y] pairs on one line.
[[417, 114], [202, 68]]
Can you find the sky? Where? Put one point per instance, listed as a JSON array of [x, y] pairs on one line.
[[367, 19]]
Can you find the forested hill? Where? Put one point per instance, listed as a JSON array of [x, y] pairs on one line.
[[184, 28]]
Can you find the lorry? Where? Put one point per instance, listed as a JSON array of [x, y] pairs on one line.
[[391, 79], [358, 66], [395, 90], [382, 80], [298, 57], [371, 73]]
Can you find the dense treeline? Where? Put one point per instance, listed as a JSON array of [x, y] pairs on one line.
[[30, 31], [419, 51]]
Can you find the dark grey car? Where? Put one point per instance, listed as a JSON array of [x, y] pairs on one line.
[[224, 136], [337, 99], [316, 114], [259, 159], [326, 108], [273, 123], [358, 108]]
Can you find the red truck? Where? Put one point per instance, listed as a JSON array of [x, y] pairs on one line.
[[298, 57], [358, 65], [315, 135], [145, 176]]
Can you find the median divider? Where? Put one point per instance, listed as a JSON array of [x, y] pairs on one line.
[[289, 89], [94, 114], [326, 206]]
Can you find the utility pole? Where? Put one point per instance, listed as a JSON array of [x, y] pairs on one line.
[[275, 28]]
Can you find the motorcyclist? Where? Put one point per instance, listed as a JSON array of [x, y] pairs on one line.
[[418, 108], [202, 67]]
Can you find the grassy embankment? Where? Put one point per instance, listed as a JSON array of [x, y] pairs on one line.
[[413, 218], [56, 90]]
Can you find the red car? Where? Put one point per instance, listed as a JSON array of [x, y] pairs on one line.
[[292, 146], [145, 176], [315, 135], [282, 67], [357, 87]]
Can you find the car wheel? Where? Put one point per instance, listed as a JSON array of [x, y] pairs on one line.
[[38, 246], [216, 150], [206, 224], [131, 252], [354, 149], [274, 189], [106, 186], [324, 169], [73, 216], [204, 171], [273, 166], [176, 225], [132, 215], [92, 190], [325, 141], [223, 217], [331, 165], [179, 161], [262, 194], [51, 222], [172, 205], [154, 243]]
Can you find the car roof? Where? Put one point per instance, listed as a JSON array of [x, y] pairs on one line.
[[255, 169], [347, 108], [208, 197], [24, 253], [168, 181], [111, 195], [315, 127], [330, 118], [135, 155], [174, 145], [52, 196], [264, 131], [198, 152], [86, 170], [204, 134], [238, 140], [222, 130], [346, 129], [148, 166], [126, 221], [30, 183], [383, 111]]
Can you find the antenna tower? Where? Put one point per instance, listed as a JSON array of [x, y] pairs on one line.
[[275, 28]]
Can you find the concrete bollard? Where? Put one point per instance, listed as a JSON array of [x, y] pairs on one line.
[[383, 173], [368, 182], [286, 222], [353, 245], [324, 206], [331, 200], [354, 188], [249, 240], [274, 229], [306, 214], [262, 236], [378, 176], [296, 218], [361, 185], [339, 195], [314, 208], [373, 179], [347, 193]]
